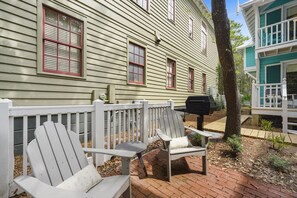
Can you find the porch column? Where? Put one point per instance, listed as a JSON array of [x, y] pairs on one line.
[[285, 106]]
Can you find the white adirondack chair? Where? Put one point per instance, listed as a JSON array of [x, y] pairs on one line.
[[56, 155], [171, 126]]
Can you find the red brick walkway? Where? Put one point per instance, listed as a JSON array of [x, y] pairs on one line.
[[187, 181]]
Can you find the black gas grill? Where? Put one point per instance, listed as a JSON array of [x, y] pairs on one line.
[[200, 105]]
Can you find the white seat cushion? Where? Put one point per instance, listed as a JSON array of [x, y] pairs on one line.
[[181, 142], [83, 180]]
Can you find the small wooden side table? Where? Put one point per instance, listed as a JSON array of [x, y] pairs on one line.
[[137, 147]]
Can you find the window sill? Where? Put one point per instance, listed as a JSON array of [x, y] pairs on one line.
[[171, 21], [49, 74], [171, 88], [136, 84]]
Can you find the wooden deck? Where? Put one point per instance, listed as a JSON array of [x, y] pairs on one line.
[[219, 126]]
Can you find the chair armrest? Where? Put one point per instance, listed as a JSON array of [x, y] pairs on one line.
[[38, 189], [119, 153], [205, 134], [163, 137]]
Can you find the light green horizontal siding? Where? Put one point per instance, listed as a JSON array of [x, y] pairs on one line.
[[109, 24]]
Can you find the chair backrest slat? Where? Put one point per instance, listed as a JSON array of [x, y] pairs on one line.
[[58, 150], [78, 149], [37, 163], [68, 148], [48, 156], [55, 154], [171, 124]]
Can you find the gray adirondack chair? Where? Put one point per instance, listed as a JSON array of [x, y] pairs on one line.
[[171, 126], [56, 155]]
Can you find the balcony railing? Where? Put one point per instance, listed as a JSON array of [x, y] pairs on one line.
[[278, 33]]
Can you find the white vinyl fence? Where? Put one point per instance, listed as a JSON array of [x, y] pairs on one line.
[[98, 125]]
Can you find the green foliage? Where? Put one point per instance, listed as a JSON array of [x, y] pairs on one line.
[[266, 125], [246, 97], [235, 143], [278, 141], [198, 137], [278, 163]]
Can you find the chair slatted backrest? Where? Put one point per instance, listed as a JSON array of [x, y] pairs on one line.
[[171, 124], [55, 154]]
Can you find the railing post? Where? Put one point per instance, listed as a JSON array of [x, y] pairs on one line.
[[285, 106], [171, 104], [5, 148], [254, 95], [144, 121], [98, 126]]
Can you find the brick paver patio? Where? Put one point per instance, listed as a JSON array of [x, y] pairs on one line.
[[187, 181]]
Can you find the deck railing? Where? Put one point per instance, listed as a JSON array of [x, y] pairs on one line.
[[268, 95], [278, 33], [98, 125]]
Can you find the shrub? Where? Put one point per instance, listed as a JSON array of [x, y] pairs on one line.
[[278, 163], [195, 139], [266, 125], [278, 141], [235, 143]]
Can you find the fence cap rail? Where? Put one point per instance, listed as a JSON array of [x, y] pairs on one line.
[[159, 105], [45, 110], [111, 107]]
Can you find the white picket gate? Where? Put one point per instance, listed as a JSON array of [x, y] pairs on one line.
[[102, 125]]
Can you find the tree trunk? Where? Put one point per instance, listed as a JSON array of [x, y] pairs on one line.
[[222, 34]]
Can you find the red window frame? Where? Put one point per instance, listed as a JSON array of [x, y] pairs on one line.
[[191, 80], [135, 68], [171, 10], [191, 28], [171, 74], [143, 3], [203, 83], [57, 42]]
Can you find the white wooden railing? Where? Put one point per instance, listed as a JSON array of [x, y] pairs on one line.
[[267, 95], [278, 33], [99, 125]]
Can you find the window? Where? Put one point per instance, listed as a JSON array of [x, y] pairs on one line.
[[203, 83], [191, 80], [143, 3], [171, 73], [191, 28], [171, 10], [136, 64], [62, 43], [204, 38]]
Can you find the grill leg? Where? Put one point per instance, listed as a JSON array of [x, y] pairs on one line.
[[200, 120]]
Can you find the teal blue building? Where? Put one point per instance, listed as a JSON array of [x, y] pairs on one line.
[[270, 58]]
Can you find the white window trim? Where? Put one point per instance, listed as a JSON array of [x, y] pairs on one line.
[[52, 5], [206, 42], [174, 11], [191, 36], [148, 4]]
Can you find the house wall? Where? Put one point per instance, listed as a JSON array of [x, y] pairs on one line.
[[250, 57], [274, 60], [109, 25]]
